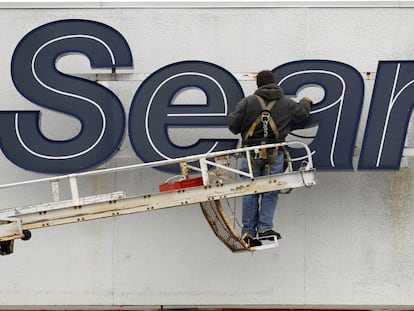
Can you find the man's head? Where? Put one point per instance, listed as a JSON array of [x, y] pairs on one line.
[[265, 77]]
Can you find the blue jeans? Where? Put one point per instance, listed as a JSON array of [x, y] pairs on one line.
[[259, 209]]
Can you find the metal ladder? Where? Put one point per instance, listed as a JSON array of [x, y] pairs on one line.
[[16, 223]]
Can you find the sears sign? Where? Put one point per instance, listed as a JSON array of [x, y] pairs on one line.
[[152, 112]]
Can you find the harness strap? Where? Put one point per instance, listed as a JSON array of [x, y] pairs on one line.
[[269, 107], [252, 127], [264, 117]]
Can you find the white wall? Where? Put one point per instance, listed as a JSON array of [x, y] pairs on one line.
[[347, 241]]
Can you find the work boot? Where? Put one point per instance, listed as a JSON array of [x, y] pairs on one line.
[[269, 235]]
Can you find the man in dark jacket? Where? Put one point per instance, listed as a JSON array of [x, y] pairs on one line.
[[259, 210]]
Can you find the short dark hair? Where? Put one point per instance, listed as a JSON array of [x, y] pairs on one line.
[[265, 77]]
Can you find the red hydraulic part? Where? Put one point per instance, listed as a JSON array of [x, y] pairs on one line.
[[185, 183]]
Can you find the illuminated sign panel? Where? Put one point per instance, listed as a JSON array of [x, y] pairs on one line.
[[152, 112]]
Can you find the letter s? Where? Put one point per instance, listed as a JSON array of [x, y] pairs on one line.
[[35, 76]]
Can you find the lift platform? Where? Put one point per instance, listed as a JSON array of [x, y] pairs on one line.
[[218, 179]]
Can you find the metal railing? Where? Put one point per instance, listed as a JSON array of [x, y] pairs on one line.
[[203, 160]]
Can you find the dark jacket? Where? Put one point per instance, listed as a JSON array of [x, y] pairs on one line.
[[285, 113]]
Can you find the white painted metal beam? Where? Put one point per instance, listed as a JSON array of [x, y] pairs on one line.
[[162, 4], [14, 221]]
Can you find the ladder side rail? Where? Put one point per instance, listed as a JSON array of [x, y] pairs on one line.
[[18, 220], [191, 158], [33, 181], [246, 150], [73, 184], [162, 200], [40, 210]]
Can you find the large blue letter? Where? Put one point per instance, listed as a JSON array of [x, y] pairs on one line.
[[389, 115], [337, 114], [153, 110], [35, 76]]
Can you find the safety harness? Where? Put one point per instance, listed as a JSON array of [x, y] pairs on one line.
[[265, 117]]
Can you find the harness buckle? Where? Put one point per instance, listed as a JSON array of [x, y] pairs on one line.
[[265, 120], [265, 116]]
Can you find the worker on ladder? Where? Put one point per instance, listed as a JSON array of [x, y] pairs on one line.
[[265, 117]]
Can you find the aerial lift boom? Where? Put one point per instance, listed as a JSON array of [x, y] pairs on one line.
[[213, 185]]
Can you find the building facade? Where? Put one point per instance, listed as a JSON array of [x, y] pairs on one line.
[[347, 242]]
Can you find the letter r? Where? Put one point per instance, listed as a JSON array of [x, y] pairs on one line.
[[391, 106]]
